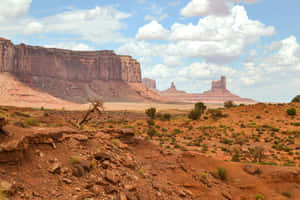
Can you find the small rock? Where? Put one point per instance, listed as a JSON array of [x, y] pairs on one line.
[[121, 196], [55, 168], [77, 170], [101, 156], [129, 187], [81, 138], [7, 188], [252, 169], [67, 181], [112, 176], [127, 132]]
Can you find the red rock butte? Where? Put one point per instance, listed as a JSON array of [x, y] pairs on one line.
[[74, 75], [217, 95]]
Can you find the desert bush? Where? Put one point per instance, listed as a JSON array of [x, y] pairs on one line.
[[200, 106], [74, 160], [215, 113], [28, 122], [257, 154], [221, 172], [150, 112], [229, 104], [198, 110], [194, 114], [296, 99], [259, 197], [236, 156], [287, 194], [21, 114], [291, 111], [164, 117], [150, 122]]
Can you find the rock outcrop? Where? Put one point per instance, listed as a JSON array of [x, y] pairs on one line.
[[217, 95], [73, 75], [150, 83], [84, 66]]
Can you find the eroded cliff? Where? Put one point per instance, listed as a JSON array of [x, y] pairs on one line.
[[73, 75]]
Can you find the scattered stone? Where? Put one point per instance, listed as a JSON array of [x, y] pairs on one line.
[[129, 187], [7, 188], [112, 176], [101, 156], [77, 170], [252, 169], [67, 181], [127, 132], [55, 168], [121, 196]]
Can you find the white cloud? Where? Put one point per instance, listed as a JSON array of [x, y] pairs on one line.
[[33, 28], [286, 58], [210, 7], [100, 25], [205, 71], [71, 46], [219, 39], [152, 31], [205, 8], [13, 8]]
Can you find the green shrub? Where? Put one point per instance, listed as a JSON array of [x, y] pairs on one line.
[[28, 122], [296, 99], [194, 114], [200, 106], [150, 122], [287, 194], [151, 132], [198, 110], [229, 104], [236, 157], [165, 117], [215, 113], [291, 111], [222, 173], [259, 197], [150, 112], [74, 160]]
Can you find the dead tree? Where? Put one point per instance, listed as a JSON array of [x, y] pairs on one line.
[[3, 122], [96, 106]]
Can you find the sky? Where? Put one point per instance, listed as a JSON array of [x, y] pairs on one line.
[[254, 43]]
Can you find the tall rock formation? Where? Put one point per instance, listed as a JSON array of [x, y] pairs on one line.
[[150, 83], [131, 69], [73, 75], [217, 95]]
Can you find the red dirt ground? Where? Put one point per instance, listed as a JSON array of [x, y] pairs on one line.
[[43, 156]]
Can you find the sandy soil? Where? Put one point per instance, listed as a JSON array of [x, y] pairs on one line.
[[242, 153]]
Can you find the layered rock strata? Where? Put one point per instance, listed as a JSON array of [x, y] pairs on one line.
[[150, 83], [73, 75]]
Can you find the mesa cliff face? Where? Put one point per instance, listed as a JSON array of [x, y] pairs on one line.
[[67, 65], [73, 75], [150, 83]]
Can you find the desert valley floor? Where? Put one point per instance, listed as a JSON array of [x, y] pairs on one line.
[[241, 153]]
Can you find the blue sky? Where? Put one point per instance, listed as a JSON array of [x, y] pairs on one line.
[[255, 43]]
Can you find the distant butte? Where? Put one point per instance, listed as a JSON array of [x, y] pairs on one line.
[[217, 95]]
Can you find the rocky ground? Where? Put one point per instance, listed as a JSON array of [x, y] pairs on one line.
[[242, 153]]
